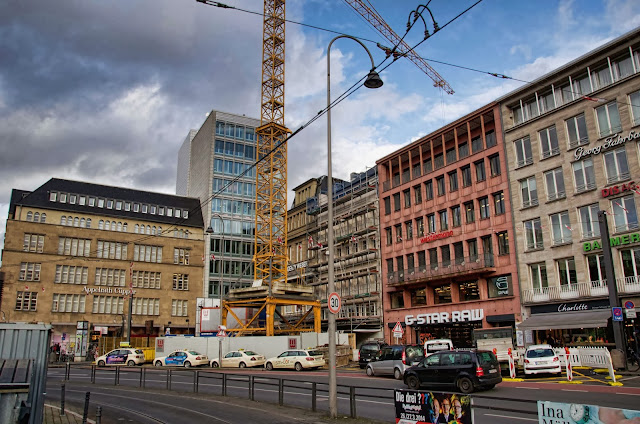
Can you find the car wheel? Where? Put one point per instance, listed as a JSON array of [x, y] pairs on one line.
[[370, 371], [242, 365], [131, 363], [157, 363], [187, 364], [465, 385], [214, 364], [413, 382], [101, 363], [397, 374], [269, 366], [298, 366]]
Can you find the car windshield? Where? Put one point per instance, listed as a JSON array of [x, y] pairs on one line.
[[315, 353], [540, 353], [415, 353], [250, 352], [193, 352], [369, 348], [487, 358]]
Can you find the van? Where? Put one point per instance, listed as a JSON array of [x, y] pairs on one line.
[[395, 359], [437, 345]]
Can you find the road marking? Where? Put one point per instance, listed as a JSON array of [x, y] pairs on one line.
[[528, 388], [628, 394], [574, 390], [511, 417]]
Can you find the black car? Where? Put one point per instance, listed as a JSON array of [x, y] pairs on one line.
[[468, 370], [368, 352]]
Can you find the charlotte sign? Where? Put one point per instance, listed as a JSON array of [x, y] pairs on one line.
[[613, 141], [440, 317]]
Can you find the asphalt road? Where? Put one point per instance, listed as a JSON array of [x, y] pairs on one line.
[[160, 402]]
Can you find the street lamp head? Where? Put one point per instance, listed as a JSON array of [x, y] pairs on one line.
[[373, 80], [209, 230]]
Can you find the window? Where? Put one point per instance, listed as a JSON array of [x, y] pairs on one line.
[[584, 175], [577, 131], [608, 119], [66, 274], [490, 137], [466, 175], [630, 265], [181, 256], [73, 247], [388, 235], [529, 192], [463, 150], [26, 301], [483, 202], [595, 263], [498, 203], [396, 202], [440, 184], [469, 291], [431, 223], [438, 161], [581, 85], [427, 166], [179, 308], [387, 205], [539, 280], [407, 198], [601, 77], [458, 253], [33, 243], [589, 220], [555, 184], [108, 305], [503, 243], [53, 196], [453, 181], [428, 190], [420, 226], [397, 300], [545, 102], [418, 297], [409, 228], [398, 233], [444, 219], [616, 166], [524, 156], [494, 165], [29, 271], [476, 144], [472, 247], [567, 274], [433, 258], [560, 228], [531, 109], [549, 142], [622, 67], [634, 101], [456, 219], [390, 266], [180, 282], [144, 253], [451, 156], [145, 306], [469, 212], [410, 263], [110, 277], [533, 234], [417, 191], [442, 294], [111, 250], [625, 217], [481, 175]]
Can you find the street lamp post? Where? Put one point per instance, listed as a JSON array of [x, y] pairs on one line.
[[373, 81]]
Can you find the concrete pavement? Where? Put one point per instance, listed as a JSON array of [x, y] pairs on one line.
[[53, 415]]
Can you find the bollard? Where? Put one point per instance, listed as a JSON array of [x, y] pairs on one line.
[[62, 399], [141, 371], [196, 379], [314, 392], [280, 392], [250, 387], [86, 408], [93, 374], [168, 380], [352, 401], [98, 415], [67, 371], [144, 378], [224, 384], [116, 377]]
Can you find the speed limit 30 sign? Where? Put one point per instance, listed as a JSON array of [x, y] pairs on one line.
[[334, 303]]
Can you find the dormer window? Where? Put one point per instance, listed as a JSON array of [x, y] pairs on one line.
[[109, 204], [63, 197], [145, 208], [169, 212], [127, 206], [72, 199], [177, 213], [161, 211], [118, 205], [92, 201], [53, 196], [136, 207], [82, 200], [153, 210], [101, 203]]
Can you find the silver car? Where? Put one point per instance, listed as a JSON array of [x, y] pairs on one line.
[[394, 360]]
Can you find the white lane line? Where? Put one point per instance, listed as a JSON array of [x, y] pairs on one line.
[[528, 388], [574, 390], [511, 417], [629, 394]]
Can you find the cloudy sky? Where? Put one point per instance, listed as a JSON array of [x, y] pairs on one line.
[[105, 91]]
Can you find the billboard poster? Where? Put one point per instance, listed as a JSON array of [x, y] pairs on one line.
[[577, 413], [420, 407]]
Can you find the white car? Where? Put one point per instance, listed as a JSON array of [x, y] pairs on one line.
[[239, 359], [296, 359], [183, 358], [122, 356], [540, 359]]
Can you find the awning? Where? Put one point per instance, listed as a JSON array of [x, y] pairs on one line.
[[562, 320]]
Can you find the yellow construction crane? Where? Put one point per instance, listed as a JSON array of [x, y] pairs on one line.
[[371, 15]]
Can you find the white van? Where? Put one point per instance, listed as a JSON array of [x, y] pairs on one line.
[[436, 345]]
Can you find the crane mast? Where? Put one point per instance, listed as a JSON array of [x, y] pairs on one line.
[[270, 260], [379, 24]]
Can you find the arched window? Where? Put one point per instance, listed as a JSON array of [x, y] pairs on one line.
[[135, 229], [175, 233], [36, 217], [101, 225], [29, 216], [43, 217], [119, 226], [159, 231], [76, 221], [82, 222], [124, 227], [113, 225], [153, 230], [148, 229], [88, 222], [63, 220]]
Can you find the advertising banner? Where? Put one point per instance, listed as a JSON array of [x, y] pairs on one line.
[[413, 407], [576, 413]]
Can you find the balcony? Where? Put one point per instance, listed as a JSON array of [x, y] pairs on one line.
[[596, 288], [628, 284], [461, 266]]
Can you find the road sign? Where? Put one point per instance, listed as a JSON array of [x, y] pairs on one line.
[[629, 305], [221, 331], [631, 313], [398, 331], [617, 314], [334, 303]]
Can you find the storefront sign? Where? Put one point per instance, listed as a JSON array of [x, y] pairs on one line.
[[500, 286], [571, 306], [606, 192], [436, 236], [299, 265], [577, 413], [613, 141], [108, 290], [440, 317], [613, 242]]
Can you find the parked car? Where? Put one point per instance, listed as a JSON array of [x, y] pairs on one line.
[[540, 359], [129, 356], [183, 358], [296, 359], [466, 369], [239, 359], [368, 351], [395, 359]]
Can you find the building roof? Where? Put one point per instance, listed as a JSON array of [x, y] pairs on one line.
[[39, 198]]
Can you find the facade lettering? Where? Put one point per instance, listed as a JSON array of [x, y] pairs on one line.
[[613, 242], [442, 317], [436, 236], [610, 142], [108, 290]]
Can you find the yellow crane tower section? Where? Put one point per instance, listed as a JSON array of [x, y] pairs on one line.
[[380, 25], [270, 260]]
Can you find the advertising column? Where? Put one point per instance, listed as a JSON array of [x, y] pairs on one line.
[[82, 338]]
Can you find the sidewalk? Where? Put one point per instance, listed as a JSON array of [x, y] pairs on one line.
[[52, 416]]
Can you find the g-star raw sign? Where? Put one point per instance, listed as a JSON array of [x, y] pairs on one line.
[[108, 290], [440, 317], [613, 141]]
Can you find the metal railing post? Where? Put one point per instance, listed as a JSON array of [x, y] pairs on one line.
[[224, 384], [85, 414], [314, 392], [99, 415], [352, 401], [280, 392], [62, 399], [93, 374]]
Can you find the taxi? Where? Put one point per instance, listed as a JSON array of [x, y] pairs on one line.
[[296, 359], [239, 359], [182, 358], [123, 356]]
